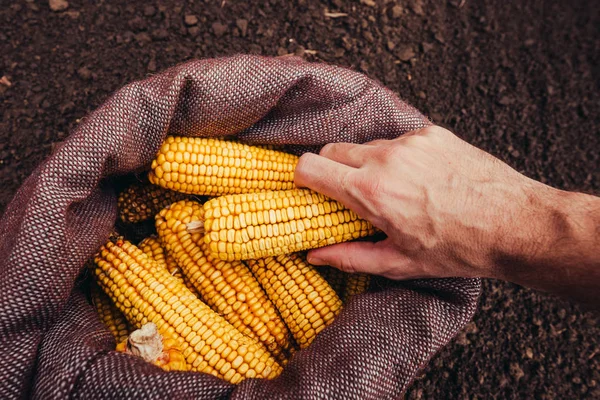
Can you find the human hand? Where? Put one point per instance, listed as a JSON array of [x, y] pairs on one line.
[[447, 208]]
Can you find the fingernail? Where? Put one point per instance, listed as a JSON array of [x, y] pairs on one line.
[[315, 260]]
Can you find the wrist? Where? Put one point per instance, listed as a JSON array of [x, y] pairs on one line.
[[552, 230]]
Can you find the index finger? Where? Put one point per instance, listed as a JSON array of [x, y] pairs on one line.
[[327, 177]]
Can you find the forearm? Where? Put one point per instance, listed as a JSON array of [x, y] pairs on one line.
[[559, 250]]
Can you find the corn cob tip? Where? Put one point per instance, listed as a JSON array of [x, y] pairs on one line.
[[196, 227], [146, 343]]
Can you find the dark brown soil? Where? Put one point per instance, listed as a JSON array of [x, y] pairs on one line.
[[518, 79]]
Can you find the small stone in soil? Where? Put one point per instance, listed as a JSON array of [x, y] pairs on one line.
[[219, 29], [406, 53], [58, 5], [242, 25], [84, 73], [160, 34], [190, 20], [149, 11]]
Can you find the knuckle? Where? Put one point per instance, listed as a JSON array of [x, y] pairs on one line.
[[347, 264], [347, 182], [377, 142], [327, 149], [414, 141], [437, 132], [369, 186], [393, 151]]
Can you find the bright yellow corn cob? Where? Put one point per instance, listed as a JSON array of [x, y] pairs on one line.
[[109, 314], [151, 246], [265, 224], [356, 284], [145, 292], [335, 277], [215, 167], [228, 287], [141, 201], [303, 297]]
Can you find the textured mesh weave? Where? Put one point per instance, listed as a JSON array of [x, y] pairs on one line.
[[52, 344]]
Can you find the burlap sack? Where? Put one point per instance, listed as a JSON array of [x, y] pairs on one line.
[[52, 345]]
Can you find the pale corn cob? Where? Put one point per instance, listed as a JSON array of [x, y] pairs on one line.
[[258, 225], [303, 297], [215, 167], [356, 284], [141, 201], [109, 314], [145, 292], [228, 287]]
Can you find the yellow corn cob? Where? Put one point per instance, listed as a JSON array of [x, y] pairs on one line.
[[303, 297], [145, 292], [214, 167], [151, 247], [149, 345], [109, 314], [140, 202], [265, 224], [356, 284], [228, 287], [335, 277], [234, 139]]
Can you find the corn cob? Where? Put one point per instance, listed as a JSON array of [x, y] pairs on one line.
[[146, 293], [259, 225], [234, 139], [152, 248], [356, 284], [304, 298], [140, 202], [215, 167], [149, 345], [228, 287], [335, 277], [109, 314]]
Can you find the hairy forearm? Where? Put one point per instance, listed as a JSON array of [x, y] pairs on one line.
[[560, 252]]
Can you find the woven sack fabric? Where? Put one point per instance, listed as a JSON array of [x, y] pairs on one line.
[[52, 345]]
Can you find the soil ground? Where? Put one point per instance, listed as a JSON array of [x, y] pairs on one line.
[[518, 79]]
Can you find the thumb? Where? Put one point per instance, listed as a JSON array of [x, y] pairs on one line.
[[379, 258]]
